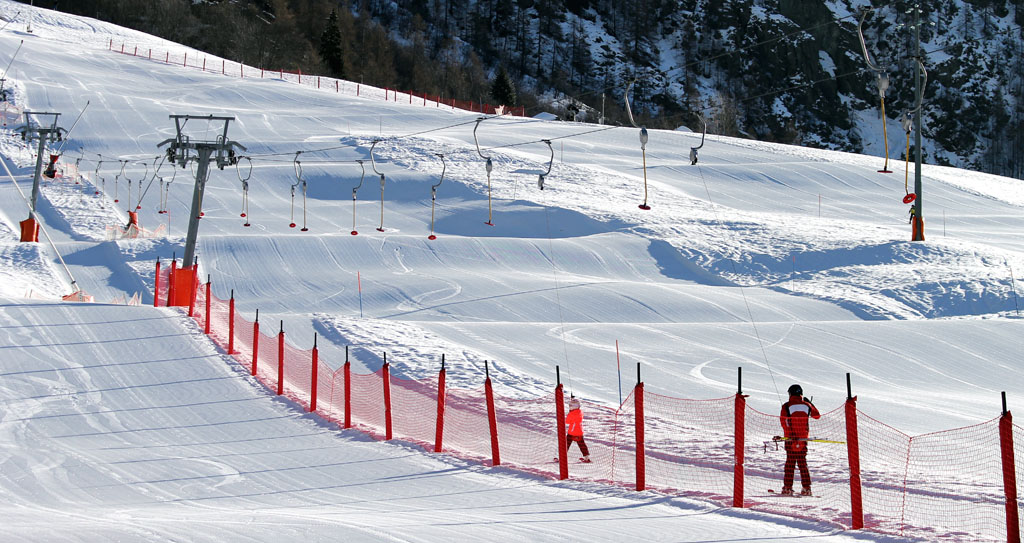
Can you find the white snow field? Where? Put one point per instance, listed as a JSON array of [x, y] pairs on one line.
[[126, 423]]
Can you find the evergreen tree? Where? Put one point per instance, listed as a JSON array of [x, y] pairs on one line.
[[503, 90], [330, 47]]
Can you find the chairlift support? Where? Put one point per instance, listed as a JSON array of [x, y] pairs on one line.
[[373, 163], [643, 143], [299, 180], [355, 189], [182, 150], [433, 195], [245, 187], [693, 150], [29, 132], [489, 165], [551, 161], [883, 85]]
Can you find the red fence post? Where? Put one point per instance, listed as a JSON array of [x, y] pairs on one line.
[[853, 453], [222, 67], [136, 53], [206, 325], [170, 282], [312, 389], [204, 64], [638, 403], [318, 81], [336, 88], [231, 323], [439, 433], [1009, 475], [300, 76], [167, 57], [280, 360], [193, 280], [492, 418], [348, 391], [156, 285], [739, 434], [184, 62], [357, 89], [255, 341], [563, 453], [386, 373]]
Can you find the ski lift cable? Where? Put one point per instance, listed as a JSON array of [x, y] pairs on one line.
[[67, 134], [43, 229], [743, 294], [558, 298], [567, 136]]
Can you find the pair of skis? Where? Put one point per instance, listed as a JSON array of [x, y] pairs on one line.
[[780, 439]]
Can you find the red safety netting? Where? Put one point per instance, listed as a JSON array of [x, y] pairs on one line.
[[942, 486]]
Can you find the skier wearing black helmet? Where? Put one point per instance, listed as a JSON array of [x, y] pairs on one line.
[[795, 417]]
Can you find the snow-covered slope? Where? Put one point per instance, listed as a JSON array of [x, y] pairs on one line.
[[791, 263]]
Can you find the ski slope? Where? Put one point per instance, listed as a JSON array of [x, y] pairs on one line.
[[792, 263]]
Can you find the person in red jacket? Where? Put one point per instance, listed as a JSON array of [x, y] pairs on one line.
[[795, 417], [574, 424]]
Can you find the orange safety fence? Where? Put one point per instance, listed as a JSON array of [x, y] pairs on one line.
[[946, 486]]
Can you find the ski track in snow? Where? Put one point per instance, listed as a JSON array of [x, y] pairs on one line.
[[563, 274]]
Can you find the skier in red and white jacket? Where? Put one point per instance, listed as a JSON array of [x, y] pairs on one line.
[[574, 424], [795, 417]]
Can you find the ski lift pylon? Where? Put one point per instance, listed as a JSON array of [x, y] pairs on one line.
[[433, 195], [489, 166], [373, 163], [643, 143], [355, 189]]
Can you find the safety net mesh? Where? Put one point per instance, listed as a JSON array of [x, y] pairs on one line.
[[943, 486]]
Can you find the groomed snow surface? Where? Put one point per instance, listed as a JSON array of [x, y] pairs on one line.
[[125, 423]]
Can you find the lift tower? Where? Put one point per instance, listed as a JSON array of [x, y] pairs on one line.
[[181, 150], [31, 131]]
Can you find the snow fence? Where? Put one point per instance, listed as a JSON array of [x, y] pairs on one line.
[[953, 485]]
